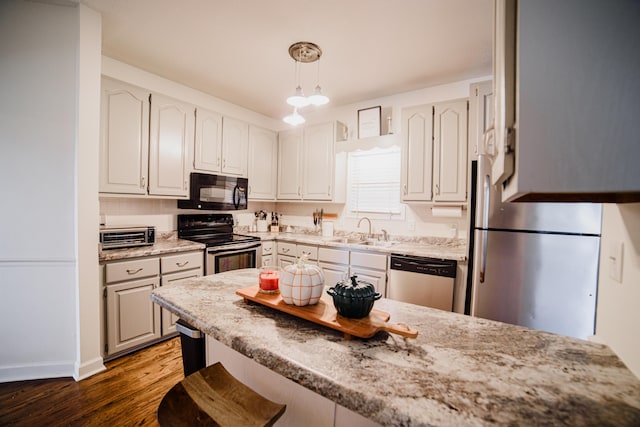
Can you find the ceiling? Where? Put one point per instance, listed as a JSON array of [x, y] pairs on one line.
[[238, 50]]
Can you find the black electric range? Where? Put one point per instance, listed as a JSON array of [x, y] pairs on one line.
[[214, 230]]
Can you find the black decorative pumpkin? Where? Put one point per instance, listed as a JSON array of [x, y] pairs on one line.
[[354, 298]]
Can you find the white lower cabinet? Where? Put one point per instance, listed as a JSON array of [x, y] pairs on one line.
[[268, 253], [286, 254], [334, 264], [370, 267], [132, 320], [304, 407]]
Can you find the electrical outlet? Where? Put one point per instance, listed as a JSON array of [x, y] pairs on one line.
[[615, 261], [411, 225]]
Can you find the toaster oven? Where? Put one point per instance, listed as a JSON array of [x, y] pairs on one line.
[[126, 236]]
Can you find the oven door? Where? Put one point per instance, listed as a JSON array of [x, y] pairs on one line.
[[233, 257]]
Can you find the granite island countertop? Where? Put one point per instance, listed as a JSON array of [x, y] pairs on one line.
[[459, 371]]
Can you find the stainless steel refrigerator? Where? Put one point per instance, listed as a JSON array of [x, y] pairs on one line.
[[533, 264]]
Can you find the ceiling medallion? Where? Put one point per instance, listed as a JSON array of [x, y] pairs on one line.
[[305, 52]]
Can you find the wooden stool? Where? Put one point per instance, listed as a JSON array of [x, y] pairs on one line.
[[213, 397]]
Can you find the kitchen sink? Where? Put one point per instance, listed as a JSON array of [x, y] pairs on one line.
[[363, 242]]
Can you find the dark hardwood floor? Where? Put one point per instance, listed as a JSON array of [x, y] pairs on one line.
[[126, 394]]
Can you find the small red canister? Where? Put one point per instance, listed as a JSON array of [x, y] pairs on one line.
[[268, 279]]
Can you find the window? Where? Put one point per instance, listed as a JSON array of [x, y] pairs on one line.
[[374, 183]]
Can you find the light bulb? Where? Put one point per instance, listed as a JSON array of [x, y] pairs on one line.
[[294, 119], [298, 100], [318, 98]]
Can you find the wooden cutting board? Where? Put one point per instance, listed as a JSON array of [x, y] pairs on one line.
[[324, 313]]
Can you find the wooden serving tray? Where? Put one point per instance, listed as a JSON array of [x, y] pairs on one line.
[[324, 313]]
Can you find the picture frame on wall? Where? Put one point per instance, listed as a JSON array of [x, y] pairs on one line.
[[369, 122]]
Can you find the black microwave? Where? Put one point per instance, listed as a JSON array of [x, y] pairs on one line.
[[216, 193]]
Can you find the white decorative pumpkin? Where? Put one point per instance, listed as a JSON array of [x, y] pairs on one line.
[[301, 283]]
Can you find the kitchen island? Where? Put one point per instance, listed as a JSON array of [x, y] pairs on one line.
[[459, 371]]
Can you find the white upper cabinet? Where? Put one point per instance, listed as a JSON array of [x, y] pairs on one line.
[[208, 142], [417, 153], [434, 152], [263, 163], [450, 151], [566, 110], [221, 144], [289, 157], [318, 162], [124, 138], [307, 164], [170, 135], [235, 145], [480, 116]]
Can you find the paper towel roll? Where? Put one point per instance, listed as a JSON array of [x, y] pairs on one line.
[[447, 211], [327, 229]]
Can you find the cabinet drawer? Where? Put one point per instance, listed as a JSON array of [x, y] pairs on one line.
[[335, 256], [369, 260], [285, 248], [181, 262], [267, 247], [310, 251], [168, 279], [130, 270]]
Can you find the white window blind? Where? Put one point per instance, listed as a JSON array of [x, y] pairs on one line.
[[374, 182]]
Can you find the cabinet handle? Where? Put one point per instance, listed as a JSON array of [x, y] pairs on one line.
[[218, 162], [142, 182], [185, 184], [249, 189], [134, 271], [405, 189], [306, 253], [437, 189], [285, 250], [224, 163], [182, 264], [298, 190]]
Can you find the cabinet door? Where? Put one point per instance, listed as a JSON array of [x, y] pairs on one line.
[[235, 144], [334, 273], [168, 318], [318, 162], [417, 153], [263, 163], [208, 141], [132, 319], [450, 151], [377, 278], [124, 138], [171, 133], [480, 116], [289, 147], [284, 260]]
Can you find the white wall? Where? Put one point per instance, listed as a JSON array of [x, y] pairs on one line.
[[618, 315], [89, 356], [38, 265]]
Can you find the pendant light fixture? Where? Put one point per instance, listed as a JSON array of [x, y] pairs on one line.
[[302, 53]]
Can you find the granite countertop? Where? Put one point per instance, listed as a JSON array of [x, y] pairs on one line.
[[460, 371], [165, 243], [434, 247]]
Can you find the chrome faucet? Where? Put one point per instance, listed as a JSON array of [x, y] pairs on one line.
[[385, 235], [364, 217]]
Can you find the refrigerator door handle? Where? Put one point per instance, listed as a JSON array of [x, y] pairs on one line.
[[486, 200], [483, 256]]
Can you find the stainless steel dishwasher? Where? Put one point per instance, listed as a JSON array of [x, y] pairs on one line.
[[423, 281]]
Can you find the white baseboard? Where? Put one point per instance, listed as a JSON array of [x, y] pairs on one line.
[[36, 371], [89, 368]]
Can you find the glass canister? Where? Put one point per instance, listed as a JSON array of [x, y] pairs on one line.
[[268, 279]]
